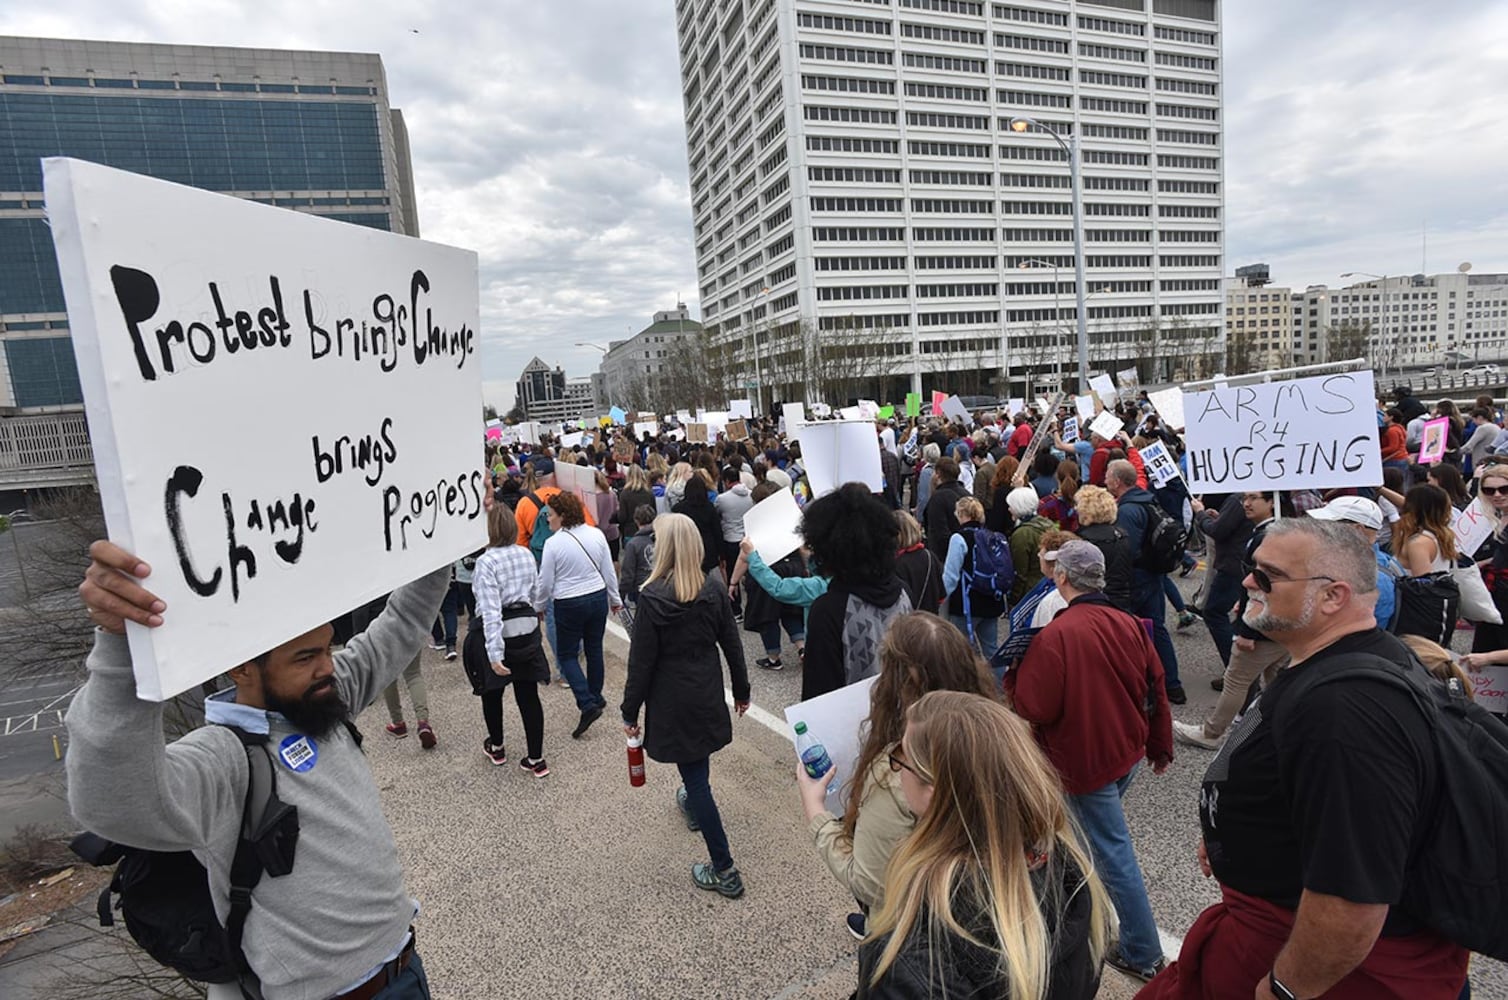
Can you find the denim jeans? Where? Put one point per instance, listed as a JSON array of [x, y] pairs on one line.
[[1149, 601], [447, 617], [413, 984], [1171, 592], [704, 810], [1224, 593], [769, 633], [987, 630], [1104, 823], [581, 621]]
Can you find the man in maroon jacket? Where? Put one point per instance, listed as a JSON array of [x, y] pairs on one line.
[[1093, 687]]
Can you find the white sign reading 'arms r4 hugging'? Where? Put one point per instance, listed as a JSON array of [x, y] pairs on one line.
[[283, 408], [1308, 433]]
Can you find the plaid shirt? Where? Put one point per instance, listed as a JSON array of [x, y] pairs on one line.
[[503, 576]]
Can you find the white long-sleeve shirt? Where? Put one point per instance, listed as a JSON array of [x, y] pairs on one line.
[[576, 562]]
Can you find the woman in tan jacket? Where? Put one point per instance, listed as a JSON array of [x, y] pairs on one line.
[[920, 653]]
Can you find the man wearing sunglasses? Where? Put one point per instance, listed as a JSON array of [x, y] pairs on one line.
[[1311, 811], [1254, 655]]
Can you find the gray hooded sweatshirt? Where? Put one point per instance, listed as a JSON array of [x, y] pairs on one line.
[[330, 923]]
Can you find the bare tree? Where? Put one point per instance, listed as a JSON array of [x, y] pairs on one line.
[[1344, 341]]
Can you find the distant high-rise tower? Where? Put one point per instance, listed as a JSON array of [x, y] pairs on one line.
[[867, 223], [311, 131]]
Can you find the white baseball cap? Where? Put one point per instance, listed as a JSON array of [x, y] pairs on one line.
[[1355, 510]]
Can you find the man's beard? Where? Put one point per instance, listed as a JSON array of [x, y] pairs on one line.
[[1268, 623], [316, 713]]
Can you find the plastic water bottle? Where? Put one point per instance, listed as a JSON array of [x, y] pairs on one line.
[[813, 754], [636, 761]]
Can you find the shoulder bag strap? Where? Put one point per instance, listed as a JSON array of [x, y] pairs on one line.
[[567, 533]]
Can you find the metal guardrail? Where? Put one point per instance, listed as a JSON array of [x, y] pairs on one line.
[[50, 449]]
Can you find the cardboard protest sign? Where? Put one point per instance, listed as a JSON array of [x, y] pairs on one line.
[[1070, 429], [1130, 382], [913, 404], [696, 433], [578, 479], [740, 408], [1308, 433], [282, 408], [643, 429], [868, 409], [1105, 389], [1472, 527], [1489, 688], [1084, 406], [1432, 442], [738, 430], [1161, 468], [774, 526], [1169, 406], [1106, 425], [835, 719], [794, 415], [839, 452], [937, 402]]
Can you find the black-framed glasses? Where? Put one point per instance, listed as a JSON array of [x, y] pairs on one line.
[[1265, 583], [897, 762]]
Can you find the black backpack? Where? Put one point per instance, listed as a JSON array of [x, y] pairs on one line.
[[1457, 877], [1163, 543], [165, 896]]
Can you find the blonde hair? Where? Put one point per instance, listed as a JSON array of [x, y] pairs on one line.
[[996, 803], [1095, 505], [968, 509], [679, 473], [911, 532], [1499, 471], [678, 556], [636, 479]]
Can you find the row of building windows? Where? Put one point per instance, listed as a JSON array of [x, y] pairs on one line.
[[192, 86]]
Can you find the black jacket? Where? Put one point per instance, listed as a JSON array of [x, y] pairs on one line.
[[1229, 530], [939, 521], [674, 673], [1112, 541], [1134, 517], [628, 502], [921, 574], [825, 668], [708, 524], [960, 970], [997, 517]]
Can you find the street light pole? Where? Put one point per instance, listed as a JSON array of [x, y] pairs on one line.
[[1021, 123], [1382, 332]]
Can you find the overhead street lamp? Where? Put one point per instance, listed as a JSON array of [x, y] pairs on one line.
[[1382, 331], [1021, 123]]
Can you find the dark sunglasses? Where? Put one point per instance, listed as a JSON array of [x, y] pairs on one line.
[[1491, 491], [1265, 583]]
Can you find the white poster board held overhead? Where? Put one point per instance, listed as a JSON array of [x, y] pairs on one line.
[[1308, 433], [838, 452], [282, 408], [1084, 407], [740, 409], [1169, 406], [1105, 389], [954, 409], [795, 416], [1107, 425], [1160, 466], [774, 526]]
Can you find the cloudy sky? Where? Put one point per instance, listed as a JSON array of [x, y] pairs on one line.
[[548, 137]]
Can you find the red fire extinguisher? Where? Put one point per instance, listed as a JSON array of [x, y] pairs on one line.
[[636, 761]]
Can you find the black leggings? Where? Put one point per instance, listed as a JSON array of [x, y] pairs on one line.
[[526, 694]]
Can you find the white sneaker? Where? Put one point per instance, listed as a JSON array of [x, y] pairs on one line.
[[1193, 735]]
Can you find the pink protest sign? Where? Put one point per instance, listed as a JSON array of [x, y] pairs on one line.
[[1432, 444], [494, 434], [937, 403]]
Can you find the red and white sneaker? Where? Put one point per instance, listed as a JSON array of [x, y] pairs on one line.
[[538, 767], [397, 730], [426, 736]]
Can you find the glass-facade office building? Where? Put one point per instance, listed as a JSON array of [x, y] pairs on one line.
[[309, 131]]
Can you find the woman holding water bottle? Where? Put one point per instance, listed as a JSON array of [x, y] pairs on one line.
[[920, 653], [684, 616]]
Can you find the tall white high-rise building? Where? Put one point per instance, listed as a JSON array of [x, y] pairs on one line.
[[867, 221]]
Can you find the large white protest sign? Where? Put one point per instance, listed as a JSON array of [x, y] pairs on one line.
[[1160, 466], [1015, 405], [954, 409], [1106, 425], [1084, 407], [850, 413], [794, 416], [835, 719], [1308, 433], [283, 408], [646, 429], [572, 440], [1105, 389], [1472, 527], [838, 452], [774, 526], [1169, 406], [740, 408], [868, 409]]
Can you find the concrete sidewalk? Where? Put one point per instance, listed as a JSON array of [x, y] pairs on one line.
[[578, 885]]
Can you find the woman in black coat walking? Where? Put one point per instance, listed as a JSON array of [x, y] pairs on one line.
[[673, 673], [697, 505]]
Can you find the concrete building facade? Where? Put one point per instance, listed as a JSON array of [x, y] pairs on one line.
[[545, 394], [859, 198], [641, 372], [310, 131], [1258, 324]]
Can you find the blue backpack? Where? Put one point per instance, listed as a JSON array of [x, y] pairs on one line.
[[994, 570]]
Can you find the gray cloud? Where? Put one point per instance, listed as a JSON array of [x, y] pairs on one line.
[[549, 138]]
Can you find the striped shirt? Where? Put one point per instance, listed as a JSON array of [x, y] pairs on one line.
[[504, 575]]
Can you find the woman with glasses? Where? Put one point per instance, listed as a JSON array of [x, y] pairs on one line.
[[1489, 644], [920, 653], [994, 893]]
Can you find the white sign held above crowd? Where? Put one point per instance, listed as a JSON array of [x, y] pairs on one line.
[[1107, 425], [794, 415], [1169, 406], [839, 451], [1084, 407], [1308, 433], [1161, 467], [774, 526], [283, 408]]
